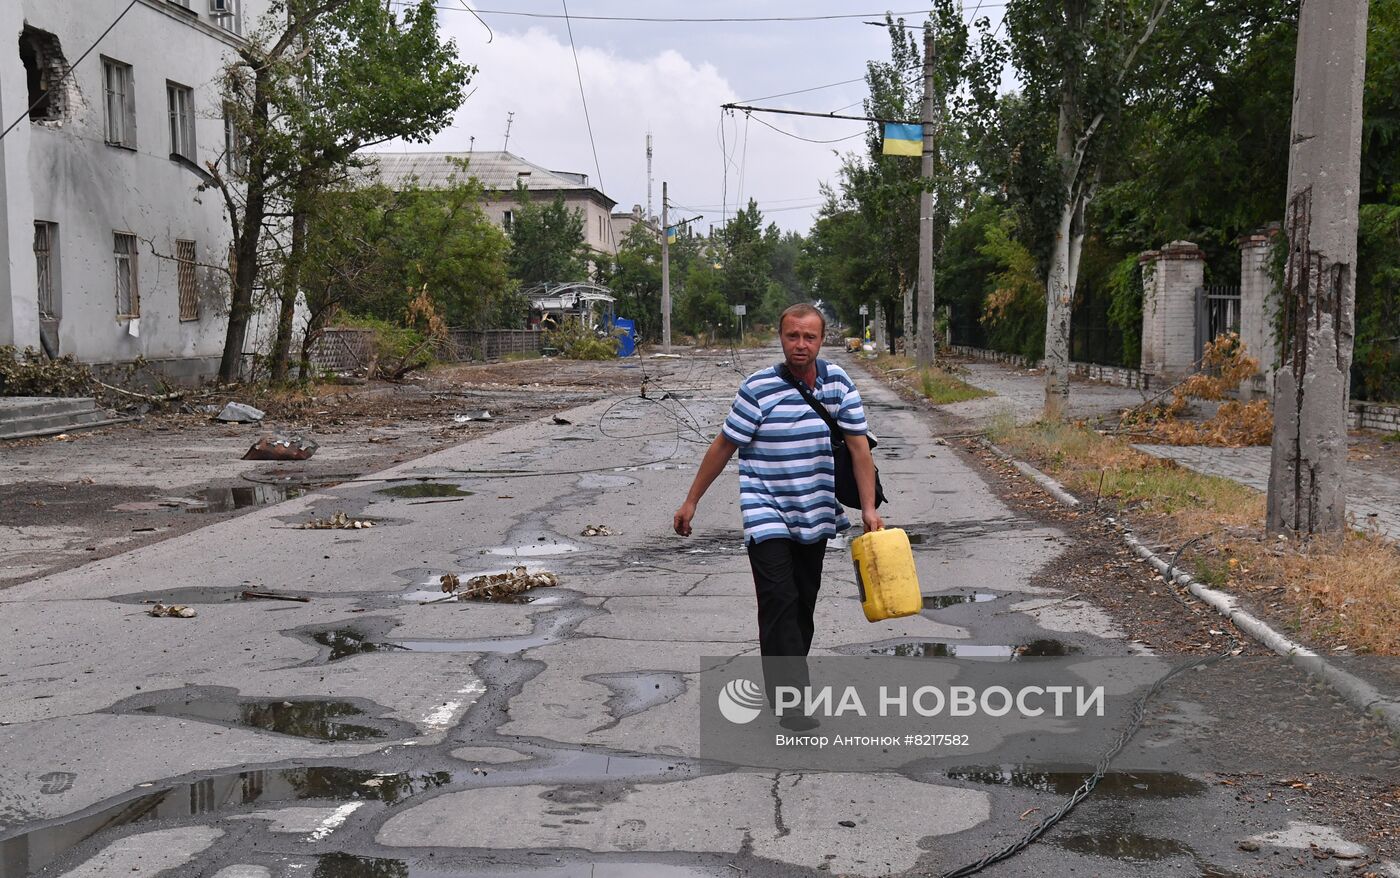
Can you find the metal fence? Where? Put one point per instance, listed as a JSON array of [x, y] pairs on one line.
[[462, 345], [1217, 312], [343, 350]]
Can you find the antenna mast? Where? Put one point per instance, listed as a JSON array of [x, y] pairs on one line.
[[649, 214], [510, 118]]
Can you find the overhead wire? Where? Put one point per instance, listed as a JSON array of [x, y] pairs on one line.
[[588, 121], [693, 20], [808, 139]]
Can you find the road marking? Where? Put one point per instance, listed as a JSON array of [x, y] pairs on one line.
[[334, 821], [444, 715]]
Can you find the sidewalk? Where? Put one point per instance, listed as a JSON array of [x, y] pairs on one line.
[[1373, 486]]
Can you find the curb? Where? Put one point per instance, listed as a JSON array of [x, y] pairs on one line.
[[1357, 692]]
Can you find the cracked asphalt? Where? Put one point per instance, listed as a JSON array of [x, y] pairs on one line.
[[374, 730]]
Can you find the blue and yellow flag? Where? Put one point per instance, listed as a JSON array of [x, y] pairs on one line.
[[903, 139], [670, 234]]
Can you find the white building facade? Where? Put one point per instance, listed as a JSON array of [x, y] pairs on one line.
[[109, 252]]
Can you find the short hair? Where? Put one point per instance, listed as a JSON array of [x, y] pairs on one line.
[[801, 309]]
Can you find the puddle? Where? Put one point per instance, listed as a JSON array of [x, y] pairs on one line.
[[534, 550], [574, 439], [424, 489], [1128, 846], [935, 649], [589, 767], [216, 500], [345, 642], [188, 595], [31, 851], [547, 631], [942, 601], [319, 720], [1115, 784]]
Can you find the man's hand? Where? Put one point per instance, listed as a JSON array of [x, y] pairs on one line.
[[683, 516], [871, 520]]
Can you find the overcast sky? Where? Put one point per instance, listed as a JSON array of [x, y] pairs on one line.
[[669, 79]]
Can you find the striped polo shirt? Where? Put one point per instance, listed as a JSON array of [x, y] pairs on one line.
[[787, 483]]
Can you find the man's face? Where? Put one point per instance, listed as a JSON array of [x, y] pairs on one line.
[[802, 338]]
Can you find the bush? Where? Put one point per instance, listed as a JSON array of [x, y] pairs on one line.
[[30, 374], [397, 350], [574, 341]]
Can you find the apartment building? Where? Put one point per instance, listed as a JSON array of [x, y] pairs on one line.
[[107, 249]]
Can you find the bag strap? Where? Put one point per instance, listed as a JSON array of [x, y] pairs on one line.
[[837, 434]]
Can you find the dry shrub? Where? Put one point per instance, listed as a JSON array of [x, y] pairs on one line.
[[1224, 366]]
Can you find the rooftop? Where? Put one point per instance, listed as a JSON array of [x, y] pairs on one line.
[[497, 171]]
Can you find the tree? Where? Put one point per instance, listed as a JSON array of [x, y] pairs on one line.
[[316, 81], [746, 254], [636, 279], [547, 243]]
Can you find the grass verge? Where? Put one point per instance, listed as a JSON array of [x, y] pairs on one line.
[[1338, 591], [939, 386]]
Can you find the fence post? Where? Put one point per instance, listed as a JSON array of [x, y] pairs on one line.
[[1259, 301], [1171, 277]]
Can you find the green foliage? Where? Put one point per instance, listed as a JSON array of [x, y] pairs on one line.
[[1125, 307], [965, 272], [370, 250], [1014, 311], [941, 388], [574, 341], [31, 374], [547, 243], [746, 251], [1377, 351], [636, 279]]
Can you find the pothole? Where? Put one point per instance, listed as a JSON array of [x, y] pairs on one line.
[[1114, 784], [1129, 846], [533, 550], [940, 649], [345, 642], [318, 719], [31, 851], [422, 490], [217, 500], [638, 691], [943, 601]]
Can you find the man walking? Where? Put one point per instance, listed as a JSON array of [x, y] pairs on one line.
[[787, 484]]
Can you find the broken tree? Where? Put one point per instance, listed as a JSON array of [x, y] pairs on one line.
[[1306, 493]]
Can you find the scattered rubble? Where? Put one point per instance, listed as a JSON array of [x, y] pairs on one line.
[[238, 413], [497, 586], [282, 448], [338, 521], [467, 418], [598, 530], [174, 611]]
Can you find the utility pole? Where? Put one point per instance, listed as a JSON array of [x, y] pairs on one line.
[[665, 273], [510, 119], [925, 347], [1306, 490]]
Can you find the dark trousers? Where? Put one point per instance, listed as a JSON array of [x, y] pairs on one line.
[[786, 576]]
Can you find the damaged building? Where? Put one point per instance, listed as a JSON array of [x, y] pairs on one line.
[[109, 252]]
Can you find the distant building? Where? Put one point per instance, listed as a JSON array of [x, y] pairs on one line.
[[623, 223], [499, 172], [107, 251]]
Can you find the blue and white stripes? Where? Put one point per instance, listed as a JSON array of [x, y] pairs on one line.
[[786, 475]]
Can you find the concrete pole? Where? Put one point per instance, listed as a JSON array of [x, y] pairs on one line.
[[1306, 492], [924, 358], [665, 274], [909, 343]]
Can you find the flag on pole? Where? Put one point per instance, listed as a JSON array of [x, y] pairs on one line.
[[670, 234], [902, 139]]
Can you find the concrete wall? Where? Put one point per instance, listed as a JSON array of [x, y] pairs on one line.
[[597, 215], [19, 309], [1170, 278], [91, 189]]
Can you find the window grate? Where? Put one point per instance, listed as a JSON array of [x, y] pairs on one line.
[[185, 261], [128, 292], [43, 257]]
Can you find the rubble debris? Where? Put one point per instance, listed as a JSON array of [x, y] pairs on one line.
[[497, 586], [467, 418], [598, 530], [238, 413], [272, 596], [338, 521], [174, 611], [292, 447], [562, 421]]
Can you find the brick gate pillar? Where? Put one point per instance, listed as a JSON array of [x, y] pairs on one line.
[[1170, 278], [1259, 307]]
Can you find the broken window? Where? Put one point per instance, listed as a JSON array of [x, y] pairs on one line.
[[45, 70], [44, 235], [128, 294], [119, 102], [181, 100], [185, 262]]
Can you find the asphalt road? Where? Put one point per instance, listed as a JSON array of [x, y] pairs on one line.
[[371, 732]]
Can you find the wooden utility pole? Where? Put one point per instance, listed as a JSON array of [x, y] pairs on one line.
[[665, 273], [924, 357], [1306, 491]]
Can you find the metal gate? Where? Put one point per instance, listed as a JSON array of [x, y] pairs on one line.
[[1217, 312]]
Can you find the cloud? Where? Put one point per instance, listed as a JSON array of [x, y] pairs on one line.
[[532, 74]]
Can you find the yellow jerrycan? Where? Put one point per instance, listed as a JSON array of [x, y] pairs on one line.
[[885, 574]]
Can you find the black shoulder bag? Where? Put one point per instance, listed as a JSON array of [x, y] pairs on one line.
[[847, 490]]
